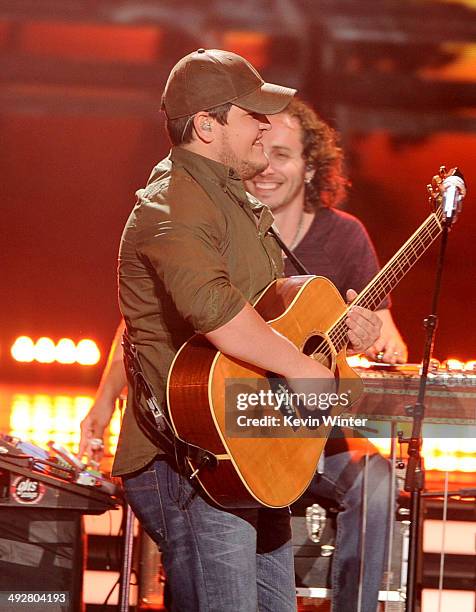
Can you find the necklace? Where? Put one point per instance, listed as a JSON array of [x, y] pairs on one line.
[[297, 235]]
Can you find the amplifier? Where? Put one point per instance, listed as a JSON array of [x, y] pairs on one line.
[[314, 532], [314, 535], [456, 537], [41, 549]]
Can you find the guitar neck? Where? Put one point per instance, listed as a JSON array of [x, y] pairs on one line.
[[392, 273]]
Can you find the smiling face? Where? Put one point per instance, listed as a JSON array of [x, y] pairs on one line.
[[239, 143], [281, 184]]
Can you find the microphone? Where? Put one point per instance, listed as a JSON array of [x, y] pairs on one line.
[[454, 191]]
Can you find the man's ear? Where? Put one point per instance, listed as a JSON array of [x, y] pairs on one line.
[[204, 126], [309, 173]]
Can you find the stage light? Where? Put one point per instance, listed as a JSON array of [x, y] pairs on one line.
[[441, 454], [87, 352], [23, 349], [358, 361], [40, 417], [454, 365], [449, 454], [44, 351], [65, 351]]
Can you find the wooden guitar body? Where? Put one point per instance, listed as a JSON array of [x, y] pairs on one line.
[[264, 471], [273, 471]]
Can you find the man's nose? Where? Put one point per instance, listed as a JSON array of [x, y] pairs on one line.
[[269, 169], [264, 123]]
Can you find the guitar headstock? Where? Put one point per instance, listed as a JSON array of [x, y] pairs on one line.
[[446, 193]]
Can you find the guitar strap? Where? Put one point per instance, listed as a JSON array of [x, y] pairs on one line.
[[297, 263], [155, 420]]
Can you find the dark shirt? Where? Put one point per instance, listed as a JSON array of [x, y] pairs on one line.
[[338, 247], [194, 250]]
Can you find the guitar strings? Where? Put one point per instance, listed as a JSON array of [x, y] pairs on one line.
[[373, 294], [384, 284]]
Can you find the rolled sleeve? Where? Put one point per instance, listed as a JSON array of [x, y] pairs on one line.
[[186, 257]]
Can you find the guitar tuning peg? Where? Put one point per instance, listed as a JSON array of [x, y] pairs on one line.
[[436, 182], [433, 188]]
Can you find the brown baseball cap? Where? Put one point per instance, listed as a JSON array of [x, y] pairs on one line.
[[210, 77]]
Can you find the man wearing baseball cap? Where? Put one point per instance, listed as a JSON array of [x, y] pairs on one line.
[[195, 253]]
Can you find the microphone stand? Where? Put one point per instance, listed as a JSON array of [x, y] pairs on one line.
[[415, 475], [127, 553]]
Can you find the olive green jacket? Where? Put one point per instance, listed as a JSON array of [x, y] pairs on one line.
[[195, 248]]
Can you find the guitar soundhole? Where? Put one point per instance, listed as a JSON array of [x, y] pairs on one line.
[[313, 344], [317, 348]]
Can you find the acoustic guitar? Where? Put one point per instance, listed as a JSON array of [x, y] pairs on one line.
[[275, 471]]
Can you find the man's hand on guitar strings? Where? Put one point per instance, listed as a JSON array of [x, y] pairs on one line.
[[363, 326], [390, 346]]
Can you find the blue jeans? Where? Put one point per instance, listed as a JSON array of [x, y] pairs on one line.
[[215, 560], [341, 483]]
